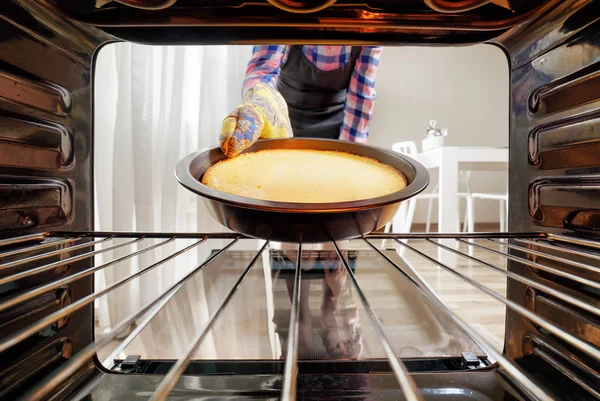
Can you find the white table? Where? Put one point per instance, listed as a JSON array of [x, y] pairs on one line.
[[447, 160]]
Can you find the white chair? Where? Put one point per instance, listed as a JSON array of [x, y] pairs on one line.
[[502, 198], [402, 222], [503, 208], [409, 148]]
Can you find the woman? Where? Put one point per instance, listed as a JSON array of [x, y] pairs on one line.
[[304, 91]]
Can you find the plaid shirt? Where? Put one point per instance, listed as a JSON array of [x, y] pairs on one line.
[[267, 61]]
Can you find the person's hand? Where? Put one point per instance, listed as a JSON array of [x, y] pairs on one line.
[[264, 114]]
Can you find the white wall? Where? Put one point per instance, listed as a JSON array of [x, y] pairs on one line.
[[464, 88]]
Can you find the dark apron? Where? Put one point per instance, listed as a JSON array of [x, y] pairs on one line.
[[315, 98]]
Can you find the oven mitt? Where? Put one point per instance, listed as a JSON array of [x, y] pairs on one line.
[[264, 114]]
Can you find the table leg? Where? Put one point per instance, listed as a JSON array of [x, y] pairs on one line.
[[448, 201], [448, 206]]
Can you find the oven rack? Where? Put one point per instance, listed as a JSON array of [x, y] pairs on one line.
[[516, 247]]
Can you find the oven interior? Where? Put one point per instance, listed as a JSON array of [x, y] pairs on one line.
[[549, 257]]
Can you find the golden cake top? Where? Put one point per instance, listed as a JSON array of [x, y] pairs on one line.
[[304, 176]]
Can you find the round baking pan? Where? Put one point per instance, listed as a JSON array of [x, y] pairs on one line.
[[302, 222]]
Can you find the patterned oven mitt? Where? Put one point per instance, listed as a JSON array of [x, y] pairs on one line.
[[264, 114]]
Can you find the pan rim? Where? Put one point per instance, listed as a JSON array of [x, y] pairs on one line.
[[418, 184]]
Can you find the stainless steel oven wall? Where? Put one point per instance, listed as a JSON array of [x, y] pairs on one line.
[[46, 147], [45, 173], [555, 177]]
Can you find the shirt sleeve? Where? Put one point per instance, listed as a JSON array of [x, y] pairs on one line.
[[264, 67], [360, 98]]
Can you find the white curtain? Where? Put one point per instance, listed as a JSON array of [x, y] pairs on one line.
[[153, 106]]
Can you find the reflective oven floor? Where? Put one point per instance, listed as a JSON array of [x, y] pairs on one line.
[[385, 317]]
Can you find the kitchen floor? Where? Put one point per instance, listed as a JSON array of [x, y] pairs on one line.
[[333, 322], [470, 304]]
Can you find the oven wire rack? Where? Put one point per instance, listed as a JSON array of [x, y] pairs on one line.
[[77, 241]]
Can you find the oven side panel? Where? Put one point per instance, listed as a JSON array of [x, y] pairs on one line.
[[555, 182], [45, 177]]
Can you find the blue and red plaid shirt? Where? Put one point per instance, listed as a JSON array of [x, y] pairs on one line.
[[267, 61]]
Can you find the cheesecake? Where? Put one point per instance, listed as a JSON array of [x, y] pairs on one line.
[[304, 176]]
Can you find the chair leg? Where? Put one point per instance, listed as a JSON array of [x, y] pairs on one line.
[[397, 223], [428, 221], [466, 219], [458, 214], [506, 215], [471, 221], [386, 230], [471, 214], [412, 204], [502, 216]]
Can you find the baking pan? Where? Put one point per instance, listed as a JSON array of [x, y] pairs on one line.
[[302, 222]]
